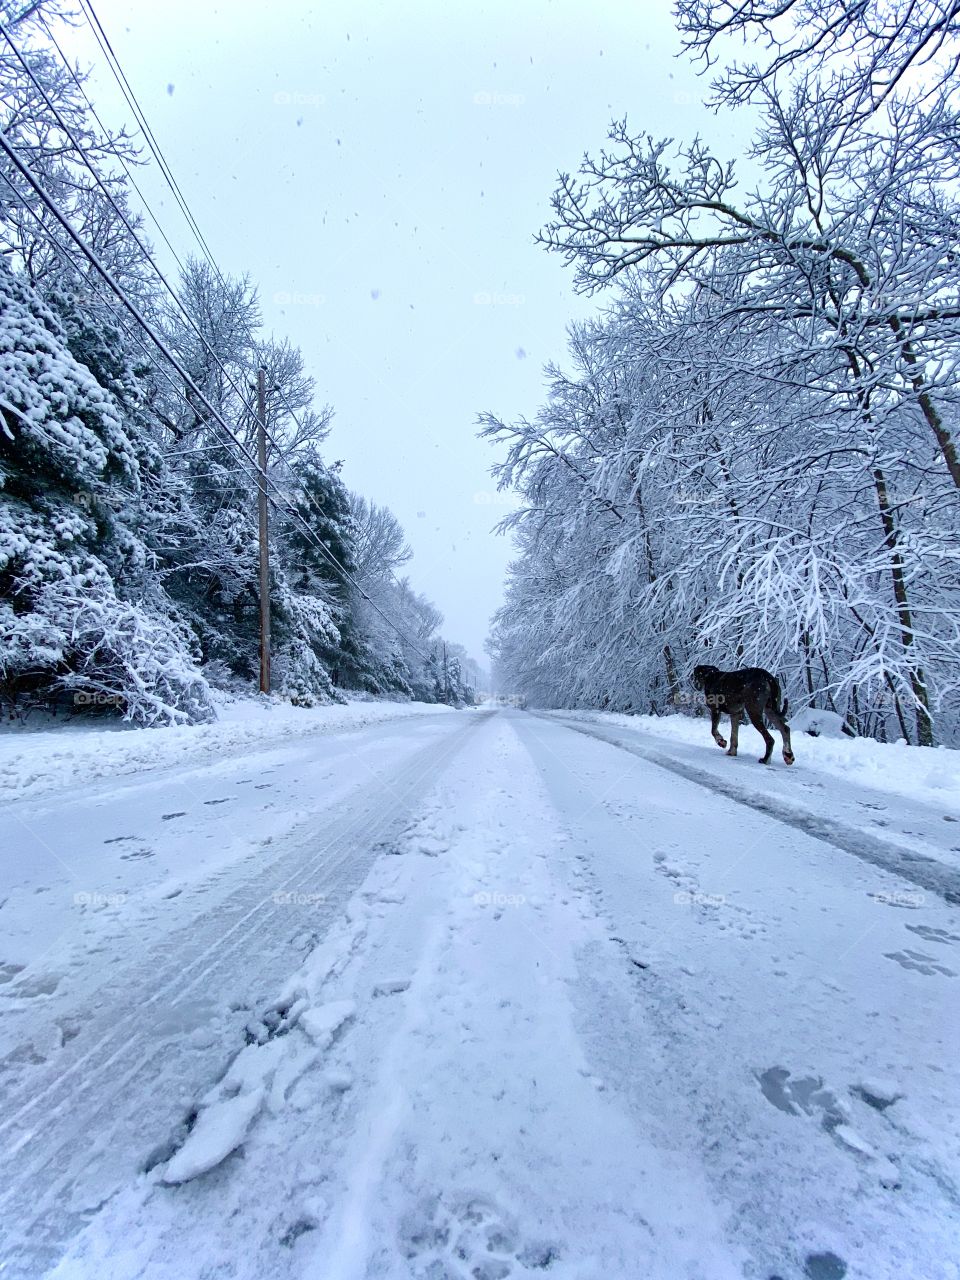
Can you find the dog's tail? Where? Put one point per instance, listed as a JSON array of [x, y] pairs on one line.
[[775, 693]]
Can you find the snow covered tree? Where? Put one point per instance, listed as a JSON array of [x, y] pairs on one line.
[[77, 611], [863, 54], [128, 500], [756, 454], [682, 504]]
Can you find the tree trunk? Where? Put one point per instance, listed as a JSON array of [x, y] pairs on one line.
[[918, 686]]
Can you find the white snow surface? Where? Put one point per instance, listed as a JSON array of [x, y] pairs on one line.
[[474, 996], [35, 763]]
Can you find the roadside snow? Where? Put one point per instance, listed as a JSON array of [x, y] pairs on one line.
[[36, 762], [931, 775]]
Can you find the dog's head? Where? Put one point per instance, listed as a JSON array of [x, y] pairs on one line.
[[702, 674]]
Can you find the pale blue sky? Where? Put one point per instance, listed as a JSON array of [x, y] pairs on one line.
[[380, 171]]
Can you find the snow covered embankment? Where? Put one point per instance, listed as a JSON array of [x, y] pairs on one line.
[[931, 776], [35, 763]]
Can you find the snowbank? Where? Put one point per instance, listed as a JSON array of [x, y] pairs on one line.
[[34, 762], [931, 775]]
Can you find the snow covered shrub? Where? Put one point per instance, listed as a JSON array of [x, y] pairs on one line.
[[114, 653], [304, 629], [819, 723], [223, 681]]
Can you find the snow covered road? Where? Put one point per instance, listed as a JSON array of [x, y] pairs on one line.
[[477, 996], [200, 891], [894, 832]]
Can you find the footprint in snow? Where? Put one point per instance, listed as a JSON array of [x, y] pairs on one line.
[[222, 800], [447, 1238], [69, 1029], [40, 984], [807, 1095], [299, 1228], [801, 1094], [919, 962], [392, 988], [879, 1094], [930, 934], [165, 817], [824, 1266], [24, 1055]]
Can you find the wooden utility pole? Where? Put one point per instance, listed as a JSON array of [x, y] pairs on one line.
[[264, 533]]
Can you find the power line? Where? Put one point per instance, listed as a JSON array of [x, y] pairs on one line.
[[132, 231], [287, 513], [127, 90], [114, 63], [119, 154], [261, 477], [118, 72], [131, 333], [121, 214], [146, 252]]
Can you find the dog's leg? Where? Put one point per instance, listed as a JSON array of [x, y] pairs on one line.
[[734, 732], [783, 729], [756, 719], [715, 726]]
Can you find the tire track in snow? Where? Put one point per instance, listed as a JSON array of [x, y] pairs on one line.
[[43, 1160], [926, 873]]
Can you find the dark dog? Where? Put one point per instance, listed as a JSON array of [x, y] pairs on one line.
[[753, 691]]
